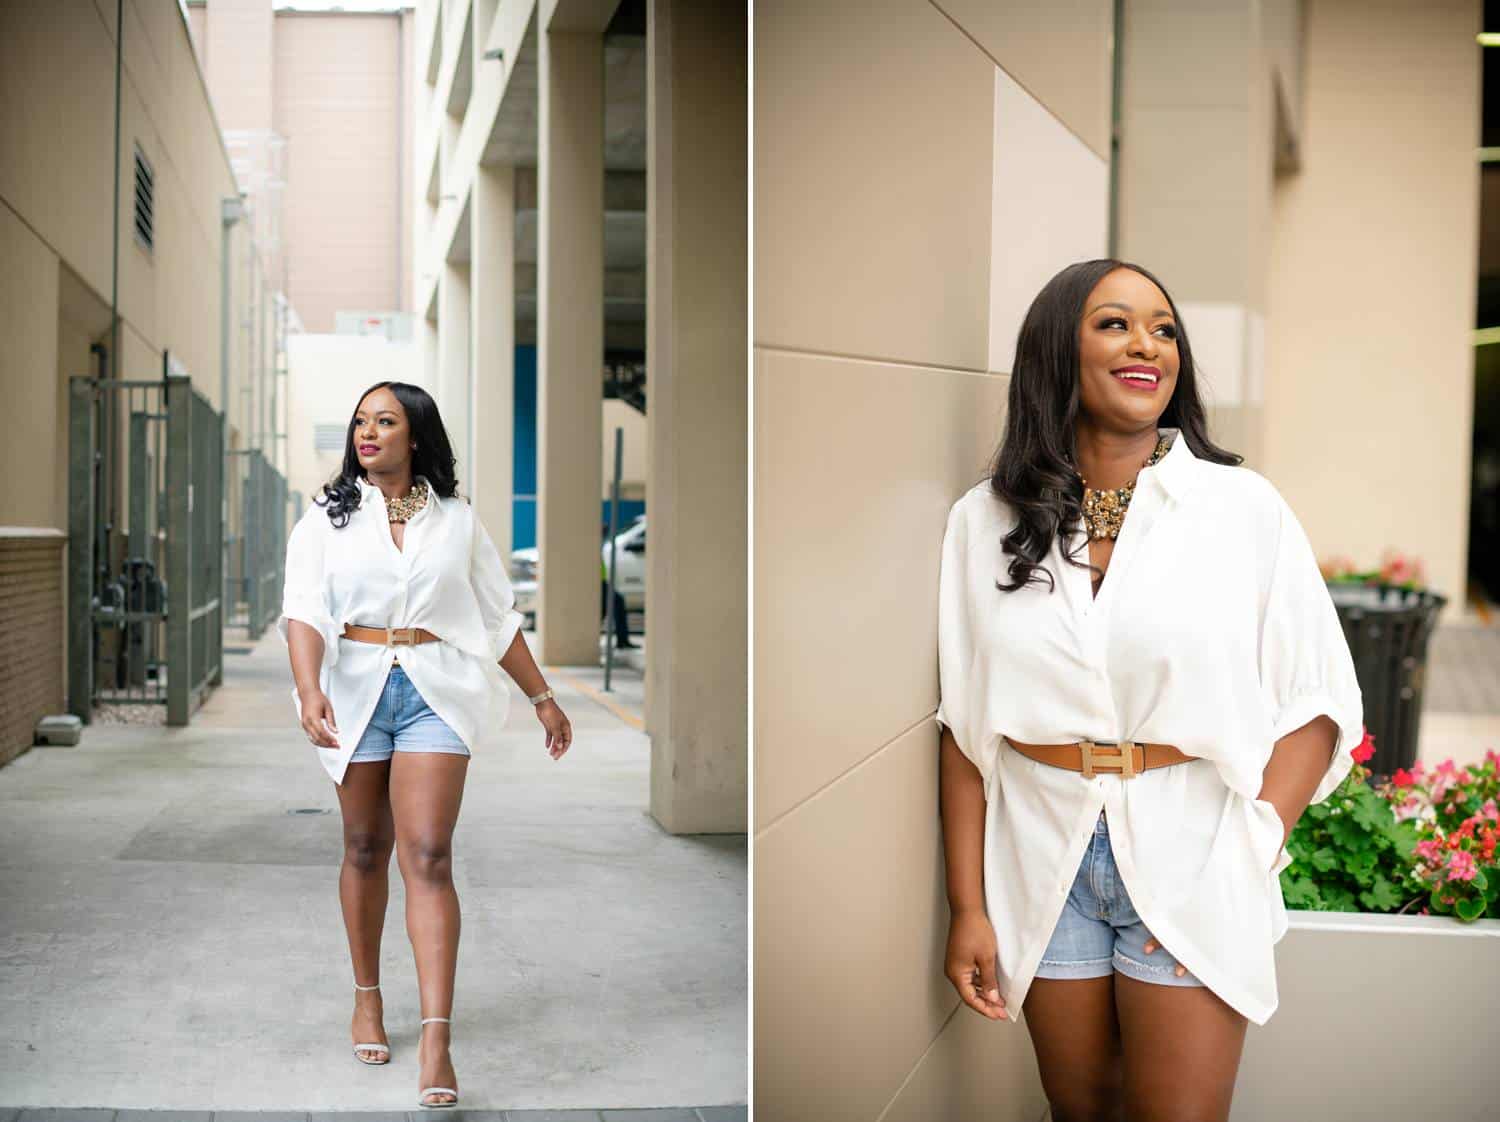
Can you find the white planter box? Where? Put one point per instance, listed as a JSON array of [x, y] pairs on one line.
[[1381, 1017]]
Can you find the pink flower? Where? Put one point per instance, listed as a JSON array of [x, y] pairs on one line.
[[1398, 568], [1410, 808], [1430, 849], [1461, 865]]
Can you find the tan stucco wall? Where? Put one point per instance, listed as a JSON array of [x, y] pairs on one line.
[[1374, 266], [919, 173]]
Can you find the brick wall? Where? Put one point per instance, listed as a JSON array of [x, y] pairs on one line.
[[32, 639]]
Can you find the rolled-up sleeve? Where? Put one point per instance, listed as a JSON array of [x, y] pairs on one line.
[[959, 709], [304, 594], [492, 588], [1306, 668]]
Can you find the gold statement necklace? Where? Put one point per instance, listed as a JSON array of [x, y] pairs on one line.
[[1104, 511], [402, 509]]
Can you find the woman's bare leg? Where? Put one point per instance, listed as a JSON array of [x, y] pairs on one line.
[[1182, 1048], [426, 790], [364, 887], [1076, 1037]]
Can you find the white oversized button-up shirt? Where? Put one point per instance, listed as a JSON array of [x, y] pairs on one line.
[[446, 577], [1213, 631]]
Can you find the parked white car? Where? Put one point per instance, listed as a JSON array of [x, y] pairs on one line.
[[630, 546]]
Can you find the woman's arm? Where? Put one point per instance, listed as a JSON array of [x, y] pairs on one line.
[[527, 676], [972, 951], [306, 646], [1298, 762], [305, 642], [522, 668], [962, 795]]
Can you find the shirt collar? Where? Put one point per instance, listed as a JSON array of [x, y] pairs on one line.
[[1178, 470]]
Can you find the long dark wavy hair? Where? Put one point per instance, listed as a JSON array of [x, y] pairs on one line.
[[1033, 468], [432, 457]]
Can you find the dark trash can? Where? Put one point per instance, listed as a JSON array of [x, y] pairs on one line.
[[1388, 628]]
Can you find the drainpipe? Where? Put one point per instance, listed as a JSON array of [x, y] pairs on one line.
[[231, 210], [112, 367]]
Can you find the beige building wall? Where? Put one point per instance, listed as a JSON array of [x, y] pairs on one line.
[[57, 225], [57, 66], [920, 172], [339, 88], [1198, 124], [343, 91], [1374, 265]]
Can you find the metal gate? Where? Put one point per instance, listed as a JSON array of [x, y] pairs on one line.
[[145, 625], [256, 556]]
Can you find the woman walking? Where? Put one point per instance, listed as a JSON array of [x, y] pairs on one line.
[[399, 617], [1127, 739]]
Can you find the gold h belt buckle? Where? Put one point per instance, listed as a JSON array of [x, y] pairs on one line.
[[408, 639], [1124, 756]]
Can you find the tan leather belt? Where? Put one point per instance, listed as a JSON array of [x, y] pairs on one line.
[[1126, 759], [390, 636]]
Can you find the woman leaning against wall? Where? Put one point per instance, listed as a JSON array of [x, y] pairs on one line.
[[1128, 737]]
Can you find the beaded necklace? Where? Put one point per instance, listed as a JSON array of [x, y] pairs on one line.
[[404, 508], [1104, 511]]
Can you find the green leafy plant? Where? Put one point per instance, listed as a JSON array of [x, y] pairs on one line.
[[1349, 852], [1420, 837]]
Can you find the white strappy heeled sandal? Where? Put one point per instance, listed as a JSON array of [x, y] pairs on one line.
[[425, 1091], [358, 1048]]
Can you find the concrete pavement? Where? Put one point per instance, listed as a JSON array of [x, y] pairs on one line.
[[170, 934]]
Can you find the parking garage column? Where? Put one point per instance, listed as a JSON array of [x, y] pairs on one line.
[[696, 386], [453, 381], [570, 337], [493, 343]]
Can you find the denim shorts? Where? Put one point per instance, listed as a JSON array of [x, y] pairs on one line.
[[1099, 931], [402, 722]]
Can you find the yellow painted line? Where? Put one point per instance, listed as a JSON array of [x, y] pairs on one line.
[[588, 691]]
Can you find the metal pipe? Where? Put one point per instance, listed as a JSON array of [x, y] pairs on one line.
[[107, 405], [231, 210], [614, 529], [265, 359]]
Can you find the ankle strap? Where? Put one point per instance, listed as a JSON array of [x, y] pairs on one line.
[[376, 986], [425, 1020]]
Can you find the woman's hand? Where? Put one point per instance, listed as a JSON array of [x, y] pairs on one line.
[[317, 719], [559, 731], [970, 964]]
